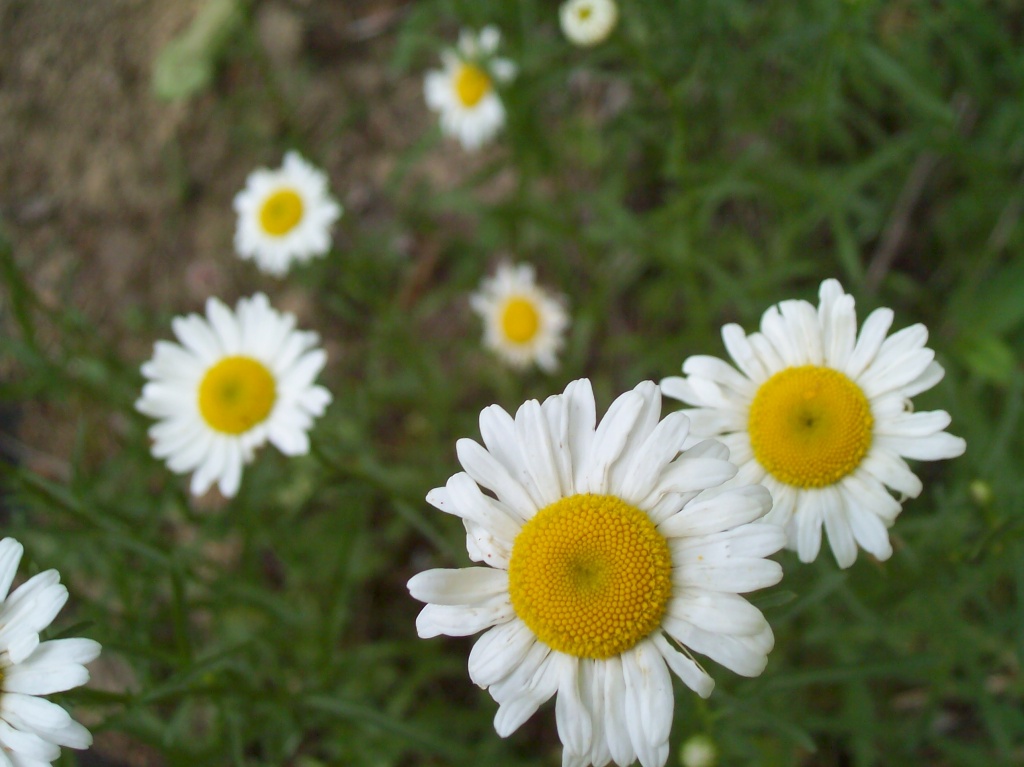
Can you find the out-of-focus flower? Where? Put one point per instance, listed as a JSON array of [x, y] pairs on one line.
[[236, 380], [463, 90]]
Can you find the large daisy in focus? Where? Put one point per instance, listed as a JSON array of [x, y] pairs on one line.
[[285, 215], [237, 379], [822, 416], [464, 90], [523, 322], [607, 564], [32, 729]]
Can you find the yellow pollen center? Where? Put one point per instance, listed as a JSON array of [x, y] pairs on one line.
[[590, 575], [584, 12], [471, 84], [281, 212], [236, 394], [520, 320], [810, 426]]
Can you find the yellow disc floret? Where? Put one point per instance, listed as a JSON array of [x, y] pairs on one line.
[[810, 426], [236, 394], [281, 212], [520, 320], [471, 84], [590, 575]]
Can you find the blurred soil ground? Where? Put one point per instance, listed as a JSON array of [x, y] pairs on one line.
[[119, 204]]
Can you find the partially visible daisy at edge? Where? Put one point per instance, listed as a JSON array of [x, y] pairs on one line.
[[524, 323], [236, 380], [32, 729], [607, 562], [822, 416], [285, 215], [464, 90], [588, 22]]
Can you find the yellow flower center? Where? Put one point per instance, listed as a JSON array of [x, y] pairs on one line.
[[583, 12], [520, 320], [590, 575], [281, 212], [810, 426], [471, 84], [236, 394]]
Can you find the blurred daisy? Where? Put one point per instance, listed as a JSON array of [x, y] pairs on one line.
[[523, 322], [237, 379], [588, 22], [33, 729], [284, 215], [464, 90], [823, 418], [608, 563]]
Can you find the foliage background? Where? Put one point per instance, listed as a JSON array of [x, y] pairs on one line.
[[712, 158]]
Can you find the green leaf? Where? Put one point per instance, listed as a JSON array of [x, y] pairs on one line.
[[186, 64], [987, 356]]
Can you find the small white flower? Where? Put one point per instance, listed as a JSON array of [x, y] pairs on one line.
[[608, 562], [33, 729], [523, 322], [237, 380], [284, 215], [464, 90], [698, 751], [823, 418], [588, 22]]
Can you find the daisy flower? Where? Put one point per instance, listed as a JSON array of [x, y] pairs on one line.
[[822, 416], [236, 380], [588, 22], [463, 91], [607, 562], [284, 215], [33, 729], [523, 322]]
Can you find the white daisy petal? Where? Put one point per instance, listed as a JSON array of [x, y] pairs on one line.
[[27, 744], [249, 379], [716, 611], [499, 651], [572, 718], [648, 703], [820, 414], [10, 556], [458, 620], [468, 586], [869, 341], [485, 469], [610, 439], [837, 526], [532, 432], [522, 692], [931, 448], [743, 354], [33, 729], [870, 532], [463, 498], [621, 496], [615, 728], [693, 676], [650, 459], [731, 507], [925, 381]]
